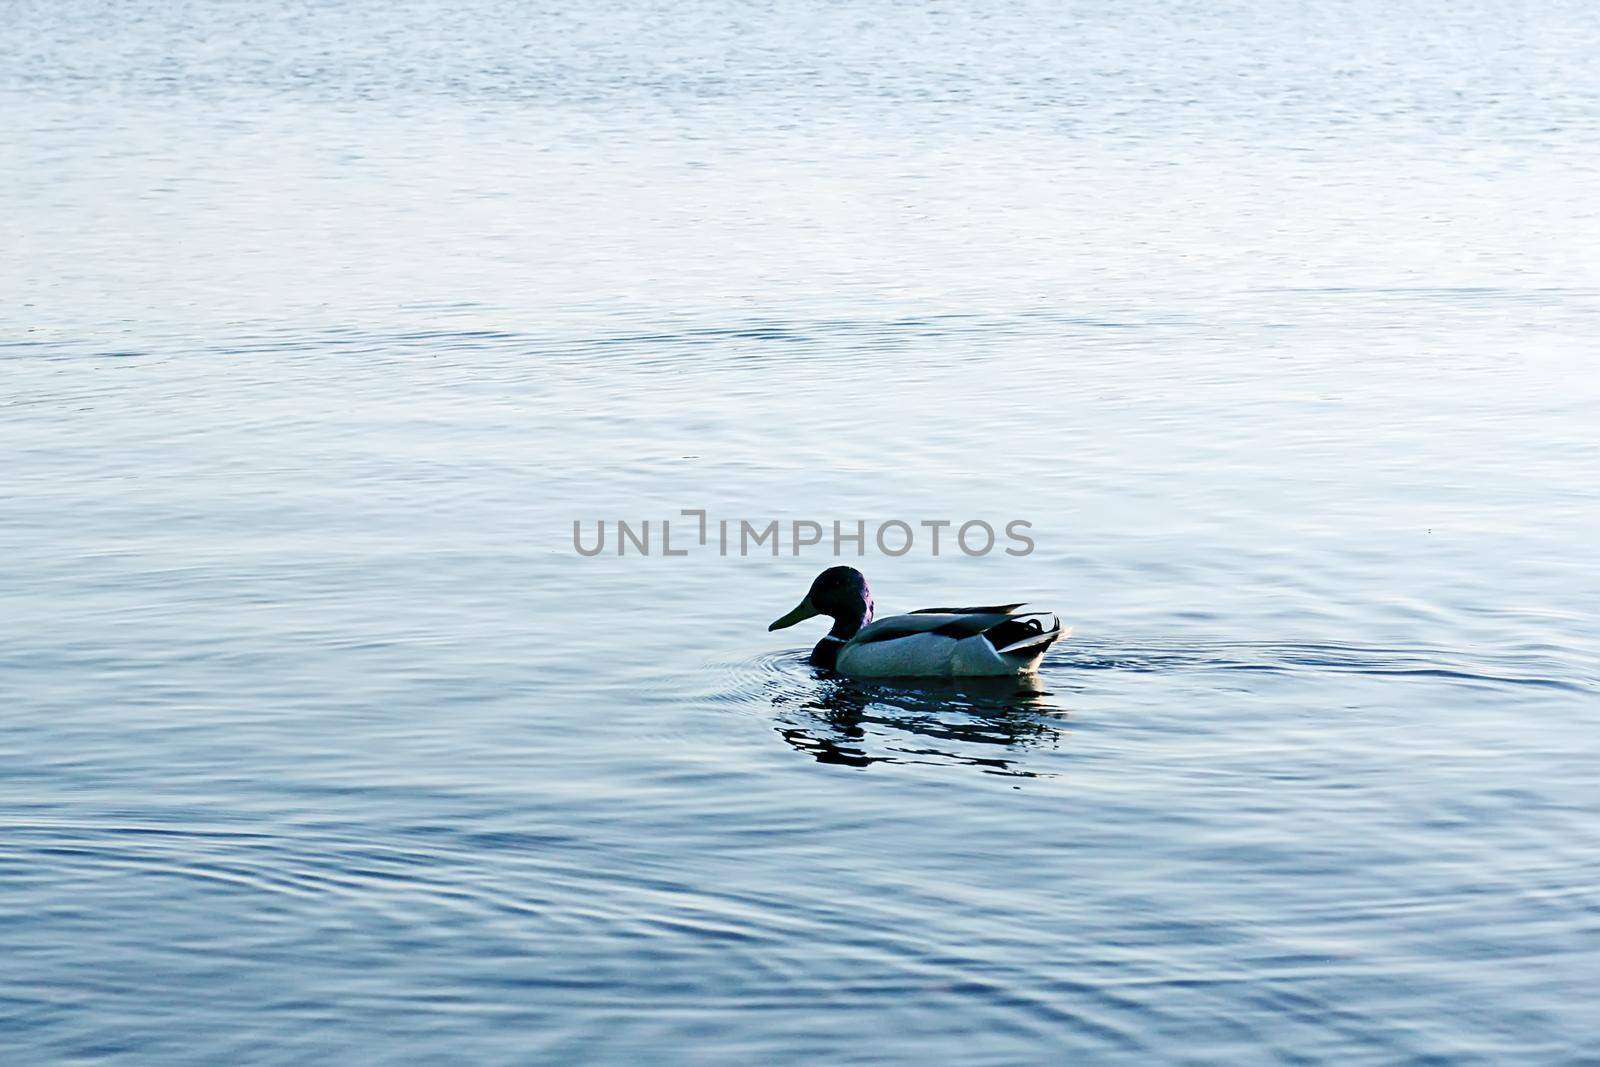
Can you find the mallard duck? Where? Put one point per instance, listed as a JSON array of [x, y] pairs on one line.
[[933, 642]]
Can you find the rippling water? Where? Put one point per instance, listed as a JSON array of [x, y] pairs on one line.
[[323, 323]]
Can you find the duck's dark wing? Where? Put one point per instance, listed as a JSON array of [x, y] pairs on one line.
[[945, 624], [992, 609], [1009, 633]]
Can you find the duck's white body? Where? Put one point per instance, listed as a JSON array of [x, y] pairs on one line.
[[940, 644]]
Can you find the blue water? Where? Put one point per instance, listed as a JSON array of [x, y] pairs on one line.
[[320, 325]]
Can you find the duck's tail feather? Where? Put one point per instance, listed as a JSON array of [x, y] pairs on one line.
[[1026, 636]]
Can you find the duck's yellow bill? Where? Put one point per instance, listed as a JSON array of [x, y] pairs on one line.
[[802, 611]]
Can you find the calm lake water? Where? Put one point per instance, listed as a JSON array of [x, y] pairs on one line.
[[322, 323]]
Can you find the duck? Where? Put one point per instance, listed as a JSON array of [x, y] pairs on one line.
[[988, 641]]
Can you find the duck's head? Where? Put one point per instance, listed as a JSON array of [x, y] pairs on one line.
[[840, 593]]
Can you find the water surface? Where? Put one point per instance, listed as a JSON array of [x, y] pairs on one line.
[[323, 323]]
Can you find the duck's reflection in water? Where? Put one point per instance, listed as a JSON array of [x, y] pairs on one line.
[[985, 723]]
